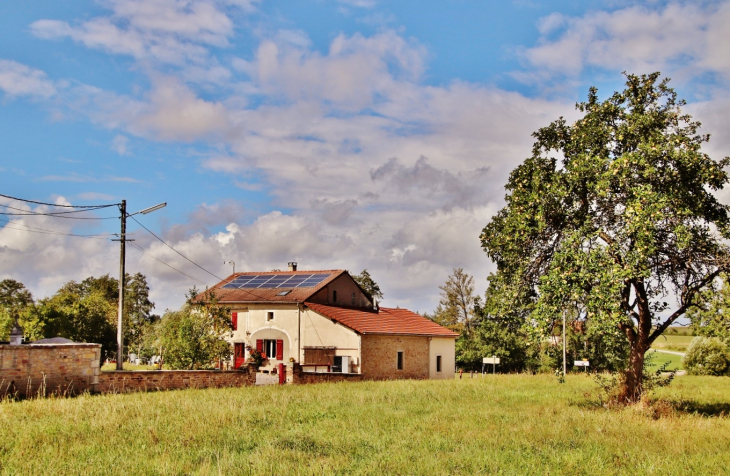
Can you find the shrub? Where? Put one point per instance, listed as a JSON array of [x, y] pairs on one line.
[[707, 356]]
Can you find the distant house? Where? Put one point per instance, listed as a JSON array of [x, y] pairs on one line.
[[326, 322]]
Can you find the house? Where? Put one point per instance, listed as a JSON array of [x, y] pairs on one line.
[[326, 322]]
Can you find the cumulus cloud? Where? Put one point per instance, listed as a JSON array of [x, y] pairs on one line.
[[169, 31], [17, 79], [689, 37]]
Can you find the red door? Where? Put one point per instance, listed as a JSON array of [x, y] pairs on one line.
[[239, 353]]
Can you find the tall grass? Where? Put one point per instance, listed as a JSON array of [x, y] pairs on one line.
[[514, 424]]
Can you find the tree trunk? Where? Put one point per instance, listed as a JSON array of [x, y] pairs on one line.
[[633, 382]]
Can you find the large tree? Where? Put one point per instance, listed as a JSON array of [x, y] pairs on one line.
[[614, 215], [458, 305]]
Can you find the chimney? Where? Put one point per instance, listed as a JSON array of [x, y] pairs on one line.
[[292, 265]]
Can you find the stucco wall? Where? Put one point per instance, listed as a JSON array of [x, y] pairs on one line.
[[446, 348], [253, 318], [37, 370], [379, 357], [319, 331]]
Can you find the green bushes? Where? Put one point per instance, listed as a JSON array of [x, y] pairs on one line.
[[707, 356]]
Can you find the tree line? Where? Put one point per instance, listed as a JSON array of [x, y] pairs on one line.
[[87, 311]]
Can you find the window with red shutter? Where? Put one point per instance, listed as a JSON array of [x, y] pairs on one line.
[[260, 345], [234, 320], [279, 349]]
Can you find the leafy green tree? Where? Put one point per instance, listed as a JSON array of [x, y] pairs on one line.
[[195, 336], [711, 317], [624, 220], [368, 284], [15, 299], [458, 305], [707, 356]]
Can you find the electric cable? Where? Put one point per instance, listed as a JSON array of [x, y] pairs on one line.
[[55, 205], [176, 251], [33, 229], [169, 266]]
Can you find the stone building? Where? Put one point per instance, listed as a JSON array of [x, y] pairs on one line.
[[326, 322]]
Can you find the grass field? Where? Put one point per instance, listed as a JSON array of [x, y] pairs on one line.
[[676, 343], [659, 358], [507, 424]]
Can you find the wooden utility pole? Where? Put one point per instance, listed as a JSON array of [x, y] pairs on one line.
[[120, 330]]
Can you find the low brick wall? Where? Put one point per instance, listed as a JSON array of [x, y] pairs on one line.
[[52, 369], [295, 375], [153, 380]]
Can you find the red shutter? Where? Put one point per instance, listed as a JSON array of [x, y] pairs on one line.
[[260, 345], [279, 350], [234, 320]]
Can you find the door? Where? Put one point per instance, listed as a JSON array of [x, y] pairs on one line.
[[239, 355]]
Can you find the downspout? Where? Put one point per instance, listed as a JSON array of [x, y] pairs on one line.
[[299, 333]]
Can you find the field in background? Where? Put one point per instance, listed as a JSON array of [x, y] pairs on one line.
[[677, 343], [516, 424], [659, 358]]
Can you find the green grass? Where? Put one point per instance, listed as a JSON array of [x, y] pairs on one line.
[[660, 358], [676, 343], [513, 424]]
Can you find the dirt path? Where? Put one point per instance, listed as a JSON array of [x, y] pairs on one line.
[[669, 352]]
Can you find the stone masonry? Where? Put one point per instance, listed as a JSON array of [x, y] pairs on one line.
[[52, 369], [296, 376], [153, 380], [379, 354]]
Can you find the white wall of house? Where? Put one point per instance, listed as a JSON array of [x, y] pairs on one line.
[[446, 348], [319, 331]]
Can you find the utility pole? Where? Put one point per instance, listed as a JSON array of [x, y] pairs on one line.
[[122, 256]]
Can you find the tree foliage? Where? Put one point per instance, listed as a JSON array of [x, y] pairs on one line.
[[711, 317], [707, 356], [622, 222], [15, 300], [194, 337], [368, 284], [458, 305]]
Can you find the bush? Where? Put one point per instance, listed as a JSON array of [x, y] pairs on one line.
[[707, 356]]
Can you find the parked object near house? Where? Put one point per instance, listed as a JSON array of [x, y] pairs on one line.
[[324, 321]]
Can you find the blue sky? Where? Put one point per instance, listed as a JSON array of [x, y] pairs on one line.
[[339, 134]]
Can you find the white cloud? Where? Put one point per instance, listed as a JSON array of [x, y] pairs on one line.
[[169, 31], [17, 79], [119, 144], [686, 37]]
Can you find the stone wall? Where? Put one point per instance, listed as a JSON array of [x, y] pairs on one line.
[[296, 376], [379, 357], [52, 369], [154, 380]]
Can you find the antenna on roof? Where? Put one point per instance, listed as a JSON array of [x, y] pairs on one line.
[[234, 265]]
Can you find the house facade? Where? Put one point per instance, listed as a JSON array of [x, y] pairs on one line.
[[326, 322]]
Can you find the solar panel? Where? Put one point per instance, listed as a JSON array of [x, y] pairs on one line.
[[276, 281]]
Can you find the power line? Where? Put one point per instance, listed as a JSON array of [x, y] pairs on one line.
[[176, 251], [52, 213], [33, 229], [55, 205], [169, 266]]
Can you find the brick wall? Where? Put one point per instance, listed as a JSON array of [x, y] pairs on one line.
[[295, 375], [379, 357], [153, 380], [38, 370]]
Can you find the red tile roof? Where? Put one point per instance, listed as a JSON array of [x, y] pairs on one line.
[[385, 321], [236, 295]]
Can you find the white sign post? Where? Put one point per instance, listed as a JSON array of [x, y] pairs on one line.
[[494, 360], [582, 363]]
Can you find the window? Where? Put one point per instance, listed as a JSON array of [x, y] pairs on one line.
[[334, 296], [438, 363], [270, 348], [270, 317], [234, 321], [399, 360], [352, 299]]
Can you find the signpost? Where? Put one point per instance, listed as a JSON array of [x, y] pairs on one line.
[[494, 360], [582, 363]]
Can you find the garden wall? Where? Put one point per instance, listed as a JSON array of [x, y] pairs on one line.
[[50, 369], [295, 375], [153, 380]]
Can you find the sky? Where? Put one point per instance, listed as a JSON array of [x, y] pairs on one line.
[[340, 134]]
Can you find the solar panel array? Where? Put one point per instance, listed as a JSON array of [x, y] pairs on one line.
[[276, 281]]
